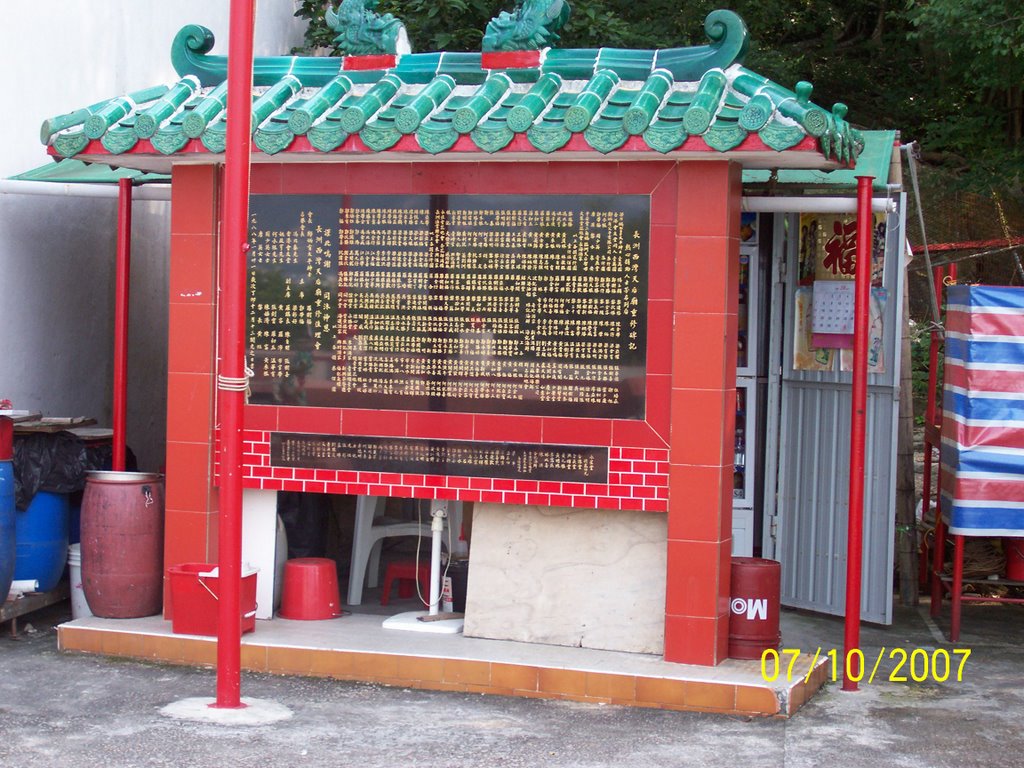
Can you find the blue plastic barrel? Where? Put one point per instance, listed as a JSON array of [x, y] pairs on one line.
[[41, 537], [6, 527]]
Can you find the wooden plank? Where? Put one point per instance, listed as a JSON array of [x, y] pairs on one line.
[[33, 601], [53, 424]]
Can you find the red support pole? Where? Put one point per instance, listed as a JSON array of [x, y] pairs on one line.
[[956, 593], [121, 294], [855, 525], [231, 381], [939, 536]]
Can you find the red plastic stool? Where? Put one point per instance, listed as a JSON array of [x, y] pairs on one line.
[[405, 573]]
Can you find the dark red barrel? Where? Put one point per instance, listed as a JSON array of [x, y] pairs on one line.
[[123, 543], [754, 607]]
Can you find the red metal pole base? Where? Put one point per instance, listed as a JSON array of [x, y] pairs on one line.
[[858, 427]]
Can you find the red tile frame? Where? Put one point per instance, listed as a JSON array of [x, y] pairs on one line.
[[656, 179], [704, 198]]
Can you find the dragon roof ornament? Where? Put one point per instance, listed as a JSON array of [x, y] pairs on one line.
[[363, 32], [532, 25]]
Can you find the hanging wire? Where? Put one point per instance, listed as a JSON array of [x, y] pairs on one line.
[[1006, 234], [913, 153]]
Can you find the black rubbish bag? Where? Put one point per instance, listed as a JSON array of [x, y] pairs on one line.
[[57, 463], [305, 517]]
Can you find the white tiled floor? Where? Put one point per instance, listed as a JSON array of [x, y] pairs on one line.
[[362, 632]]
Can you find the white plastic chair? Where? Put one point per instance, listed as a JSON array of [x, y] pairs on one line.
[[371, 528]]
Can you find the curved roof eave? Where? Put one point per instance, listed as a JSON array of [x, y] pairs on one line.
[[575, 104]]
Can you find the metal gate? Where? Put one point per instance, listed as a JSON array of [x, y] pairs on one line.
[[806, 512]]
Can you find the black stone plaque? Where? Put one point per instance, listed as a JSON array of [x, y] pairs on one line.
[[517, 461], [524, 304]]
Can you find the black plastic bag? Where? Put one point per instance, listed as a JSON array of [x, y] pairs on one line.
[[57, 462]]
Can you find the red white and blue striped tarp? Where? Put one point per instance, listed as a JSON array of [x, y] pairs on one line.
[[983, 411]]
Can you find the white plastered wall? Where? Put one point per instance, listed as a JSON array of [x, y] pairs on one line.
[[57, 253]]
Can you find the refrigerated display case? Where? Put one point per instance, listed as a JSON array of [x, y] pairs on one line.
[[748, 335]]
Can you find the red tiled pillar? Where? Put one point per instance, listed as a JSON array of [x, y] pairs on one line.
[[703, 413], [191, 500]]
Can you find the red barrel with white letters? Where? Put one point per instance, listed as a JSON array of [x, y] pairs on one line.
[[754, 607]]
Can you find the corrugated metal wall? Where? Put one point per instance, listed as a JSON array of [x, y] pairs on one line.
[[814, 446]]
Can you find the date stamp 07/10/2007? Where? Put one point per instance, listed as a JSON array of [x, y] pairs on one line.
[[903, 666]]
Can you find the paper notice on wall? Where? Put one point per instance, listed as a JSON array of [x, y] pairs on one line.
[[806, 357], [834, 302], [876, 326], [828, 247], [833, 313]]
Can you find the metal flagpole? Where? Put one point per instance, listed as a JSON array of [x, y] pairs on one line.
[[855, 527], [231, 380]]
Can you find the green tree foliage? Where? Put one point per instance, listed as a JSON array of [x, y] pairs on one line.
[[974, 52], [947, 73]]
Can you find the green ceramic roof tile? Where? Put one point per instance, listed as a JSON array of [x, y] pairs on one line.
[[706, 102], [147, 123], [492, 136], [436, 136], [605, 94], [724, 135], [169, 138], [571, 64], [107, 116], [606, 136], [418, 69], [469, 114], [665, 135], [327, 135], [380, 135], [646, 102], [534, 102], [70, 121], [757, 112], [606, 133], [215, 137], [463, 67], [269, 117], [733, 100], [70, 143], [675, 106], [120, 138], [627, 64], [590, 100], [423, 103], [361, 109], [274, 98], [273, 136], [781, 136], [548, 137], [325, 99], [211, 105], [526, 75]]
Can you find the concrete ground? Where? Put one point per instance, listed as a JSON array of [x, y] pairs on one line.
[[60, 710]]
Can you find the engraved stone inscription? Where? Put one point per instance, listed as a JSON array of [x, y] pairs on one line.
[[476, 303], [519, 461]]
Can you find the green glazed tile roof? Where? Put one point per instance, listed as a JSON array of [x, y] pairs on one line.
[[699, 98], [874, 160], [77, 172]]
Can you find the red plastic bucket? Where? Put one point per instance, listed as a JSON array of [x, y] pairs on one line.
[[1013, 548], [754, 607], [195, 594], [310, 589]]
